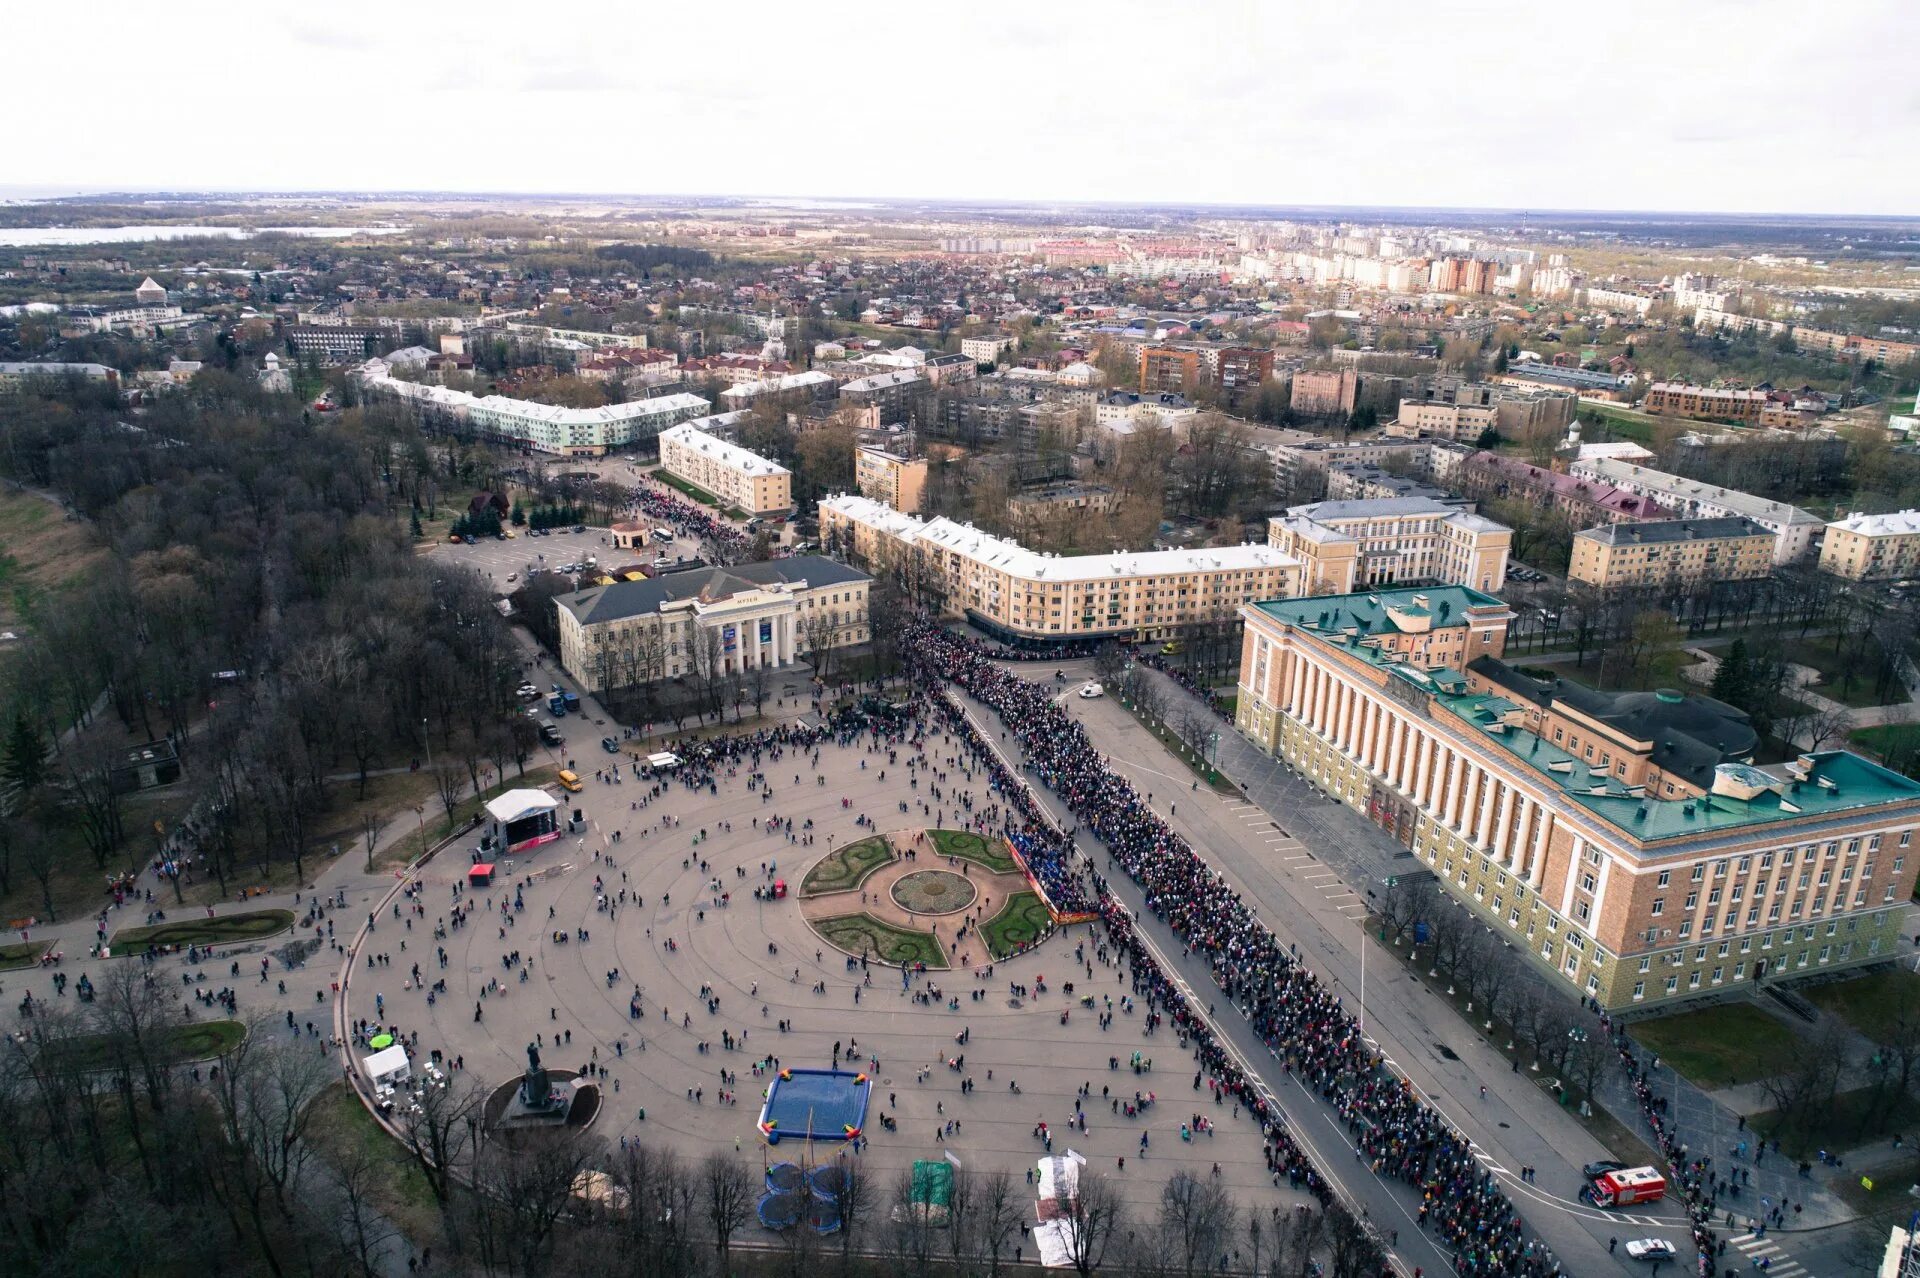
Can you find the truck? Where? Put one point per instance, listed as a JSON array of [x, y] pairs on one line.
[[573, 701], [557, 705], [550, 734], [1626, 1186]]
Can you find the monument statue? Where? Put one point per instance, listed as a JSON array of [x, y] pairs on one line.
[[535, 1091]]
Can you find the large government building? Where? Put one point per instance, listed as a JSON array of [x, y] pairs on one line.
[[1622, 840], [1016, 593], [718, 620]]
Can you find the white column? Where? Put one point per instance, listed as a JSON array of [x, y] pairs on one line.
[[1504, 827], [1483, 829], [1422, 769], [1451, 800], [1536, 870], [1296, 684]]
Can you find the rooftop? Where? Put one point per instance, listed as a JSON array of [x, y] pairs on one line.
[[1674, 489], [624, 599], [1898, 524], [731, 455], [1663, 531]]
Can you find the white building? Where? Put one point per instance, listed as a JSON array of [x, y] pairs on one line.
[[544, 428], [985, 350], [738, 476], [1690, 499]]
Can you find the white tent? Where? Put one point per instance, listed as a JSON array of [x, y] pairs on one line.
[[1054, 1241], [516, 805], [388, 1065], [1060, 1175]]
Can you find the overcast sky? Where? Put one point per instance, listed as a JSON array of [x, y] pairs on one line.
[[1735, 105]]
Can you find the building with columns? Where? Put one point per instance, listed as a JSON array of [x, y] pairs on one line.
[[1351, 545], [720, 620], [1623, 841]]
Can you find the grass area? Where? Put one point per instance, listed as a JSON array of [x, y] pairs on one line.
[[22, 954], [193, 1041], [1180, 749], [222, 929], [863, 934], [694, 491], [989, 854], [1817, 655], [1845, 1124], [1717, 1047], [1889, 1193], [41, 551], [1887, 738], [1664, 673], [1868, 1003], [846, 868], [1230, 705], [431, 825], [341, 1130], [1020, 922]]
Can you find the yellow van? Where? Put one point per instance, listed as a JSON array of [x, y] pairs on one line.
[[568, 781]]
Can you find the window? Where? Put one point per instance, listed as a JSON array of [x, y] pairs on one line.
[[1659, 906], [1665, 877], [1693, 899], [1645, 963], [1639, 989], [1673, 984]]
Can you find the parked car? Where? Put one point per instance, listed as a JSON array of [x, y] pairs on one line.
[[1600, 1168], [1652, 1249], [609, 745]]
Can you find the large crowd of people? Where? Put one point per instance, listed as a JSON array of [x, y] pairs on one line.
[[1294, 1013], [685, 517]]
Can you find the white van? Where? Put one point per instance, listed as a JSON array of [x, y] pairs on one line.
[[663, 534]]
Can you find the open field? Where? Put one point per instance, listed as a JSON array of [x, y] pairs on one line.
[[41, 551], [1719, 1047]]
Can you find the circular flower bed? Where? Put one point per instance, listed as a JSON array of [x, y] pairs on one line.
[[933, 892]]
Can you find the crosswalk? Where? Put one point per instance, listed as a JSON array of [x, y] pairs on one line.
[[1758, 1249]]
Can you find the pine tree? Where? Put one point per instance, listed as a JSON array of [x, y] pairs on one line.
[[1733, 681], [25, 762]]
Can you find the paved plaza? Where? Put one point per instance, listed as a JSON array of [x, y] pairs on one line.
[[711, 964]]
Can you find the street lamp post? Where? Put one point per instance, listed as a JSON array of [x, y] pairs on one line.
[[427, 739]]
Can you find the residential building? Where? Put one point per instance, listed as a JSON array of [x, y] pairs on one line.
[[1447, 421], [150, 312], [1711, 403], [1169, 369], [888, 477], [1018, 594], [715, 621], [543, 428], [1793, 527], [1873, 547], [334, 343], [1586, 501], [1031, 508], [738, 477], [1324, 392], [1624, 842], [1344, 546], [1625, 300], [893, 394], [1358, 481], [1123, 412], [794, 387], [986, 348], [941, 370], [17, 376], [1655, 552]]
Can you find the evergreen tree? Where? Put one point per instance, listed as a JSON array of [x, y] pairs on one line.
[[25, 762], [1733, 681]]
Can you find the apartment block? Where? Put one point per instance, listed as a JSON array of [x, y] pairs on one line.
[[1658, 551], [737, 476], [1017, 594], [1873, 547], [1711, 403], [1169, 370], [1624, 842], [1344, 546], [1792, 527], [889, 477]]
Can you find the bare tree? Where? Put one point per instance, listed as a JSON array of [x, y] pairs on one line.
[[910, 1236], [449, 778], [1803, 1093], [371, 824], [727, 1198], [997, 1212], [1832, 723], [1297, 1240], [1196, 1218], [439, 1130], [346, 1208], [1350, 1244], [1096, 1216]]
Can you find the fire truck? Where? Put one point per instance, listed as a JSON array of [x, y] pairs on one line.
[[1625, 1186]]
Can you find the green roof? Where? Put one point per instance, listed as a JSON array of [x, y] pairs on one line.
[[1837, 782], [1368, 612]]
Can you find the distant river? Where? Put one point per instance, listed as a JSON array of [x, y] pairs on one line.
[[56, 236]]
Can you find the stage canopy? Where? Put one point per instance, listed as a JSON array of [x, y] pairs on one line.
[[517, 805]]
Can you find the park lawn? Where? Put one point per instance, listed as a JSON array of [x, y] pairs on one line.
[[176, 1044], [41, 551], [694, 491], [989, 854], [1868, 1002], [1883, 739], [847, 867], [428, 831], [1842, 1125], [1817, 655], [222, 929], [863, 934], [1021, 921], [1717, 1047], [22, 954], [341, 1130]]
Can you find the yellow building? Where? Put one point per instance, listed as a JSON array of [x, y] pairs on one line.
[[737, 476], [888, 477], [1623, 841], [1016, 593], [1873, 547], [1663, 550], [1345, 546]]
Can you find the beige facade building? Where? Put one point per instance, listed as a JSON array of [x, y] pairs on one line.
[[1016, 593], [1792, 527], [1873, 547], [1344, 546], [1665, 550], [739, 477], [1447, 421], [1622, 841], [888, 477], [715, 621]]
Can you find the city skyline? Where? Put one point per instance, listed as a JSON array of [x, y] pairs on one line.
[[1465, 107]]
